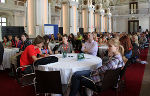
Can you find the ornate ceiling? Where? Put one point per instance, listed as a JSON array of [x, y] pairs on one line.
[[112, 2]]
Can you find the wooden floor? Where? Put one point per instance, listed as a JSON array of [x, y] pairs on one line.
[[145, 88]]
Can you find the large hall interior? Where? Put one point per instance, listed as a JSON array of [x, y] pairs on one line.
[[74, 47]]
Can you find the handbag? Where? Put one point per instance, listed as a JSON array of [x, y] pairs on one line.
[[46, 60]]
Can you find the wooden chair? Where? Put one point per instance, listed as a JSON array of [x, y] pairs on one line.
[[48, 82]]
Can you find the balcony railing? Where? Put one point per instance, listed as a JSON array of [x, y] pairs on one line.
[[128, 11]]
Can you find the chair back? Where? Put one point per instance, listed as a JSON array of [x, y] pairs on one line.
[[122, 72], [1, 53], [48, 82], [110, 79]]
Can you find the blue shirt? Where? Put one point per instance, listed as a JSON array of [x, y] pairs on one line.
[[44, 51]]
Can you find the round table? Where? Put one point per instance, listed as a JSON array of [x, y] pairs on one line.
[[7, 54], [67, 66]]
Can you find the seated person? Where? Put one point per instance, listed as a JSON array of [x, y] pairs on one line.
[[136, 51], [11, 40], [52, 38], [5, 42], [102, 40], [24, 41], [142, 40], [126, 43], [95, 36], [86, 77], [65, 46], [79, 36], [90, 46], [29, 55], [17, 42], [46, 49], [59, 38]]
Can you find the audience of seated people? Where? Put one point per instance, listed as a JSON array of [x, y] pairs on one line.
[[102, 40], [6, 42], [23, 44], [120, 48], [87, 77], [30, 53]]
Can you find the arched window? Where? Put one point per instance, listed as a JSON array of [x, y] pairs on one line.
[[2, 1], [3, 21]]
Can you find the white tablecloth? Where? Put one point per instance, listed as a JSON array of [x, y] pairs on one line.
[[7, 54], [67, 66], [101, 50]]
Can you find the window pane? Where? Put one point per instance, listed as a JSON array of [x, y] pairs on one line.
[[3, 24], [0, 19], [0, 24], [2, 1], [3, 19]]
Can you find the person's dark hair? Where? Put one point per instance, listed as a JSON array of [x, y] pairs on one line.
[[5, 37], [65, 35], [46, 37], [72, 35], [26, 35], [45, 45], [39, 39], [17, 36]]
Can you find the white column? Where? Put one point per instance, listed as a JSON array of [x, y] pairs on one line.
[[49, 13], [73, 17], [102, 25], [65, 8], [109, 23], [31, 18], [97, 21], [85, 19], [43, 15], [91, 20]]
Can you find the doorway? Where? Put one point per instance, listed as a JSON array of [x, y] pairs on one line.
[[133, 26]]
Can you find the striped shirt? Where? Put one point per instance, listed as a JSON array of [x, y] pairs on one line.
[[114, 63]]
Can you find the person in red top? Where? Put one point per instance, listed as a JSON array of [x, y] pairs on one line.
[[29, 55]]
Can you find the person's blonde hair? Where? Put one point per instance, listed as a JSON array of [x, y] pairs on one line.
[[116, 43]]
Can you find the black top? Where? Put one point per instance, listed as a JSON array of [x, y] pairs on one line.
[[1, 52], [24, 44]]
